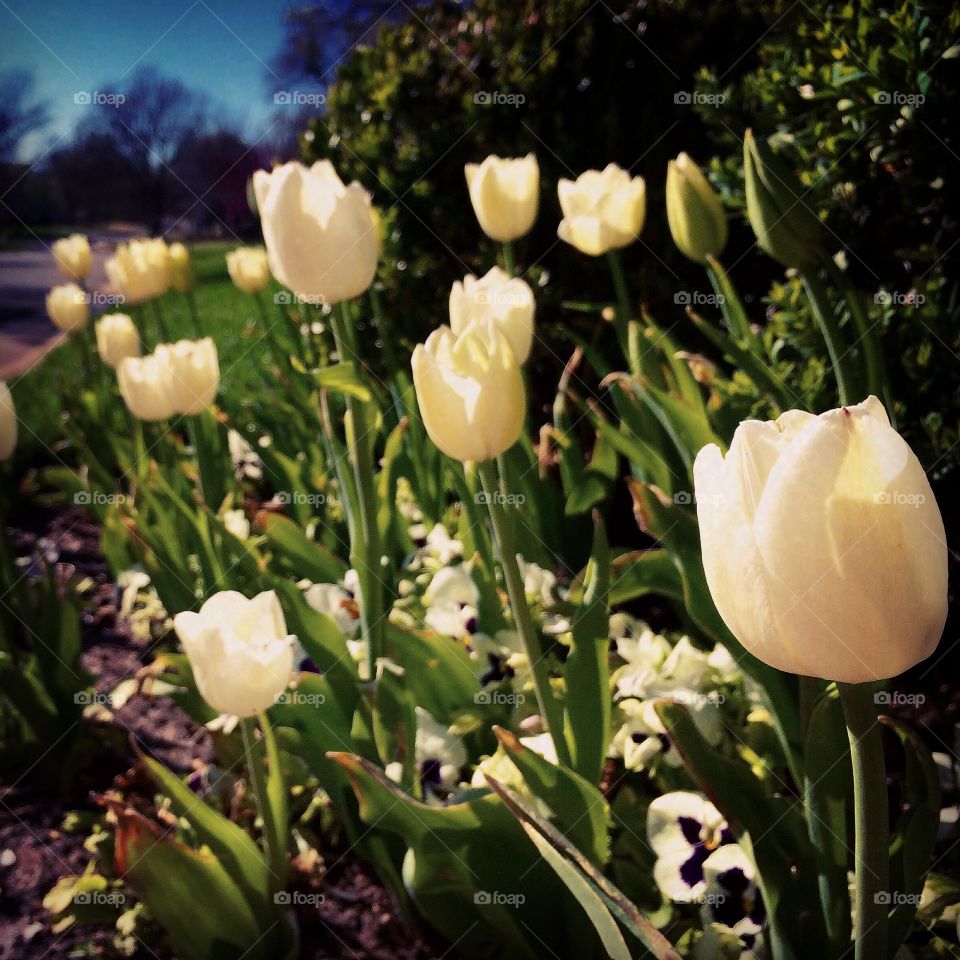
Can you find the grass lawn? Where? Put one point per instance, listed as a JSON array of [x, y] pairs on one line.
[[231, 317]]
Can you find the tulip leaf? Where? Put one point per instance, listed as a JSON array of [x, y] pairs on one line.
[[343, 377], [580, 808], [641, 572], [303, 556], [772, 830], [439, 671], [213, 460], [828, 785], [612, 899], [231, 844], [167, 876], [394, 722], [470, 870], [916, 832], [586, 672]]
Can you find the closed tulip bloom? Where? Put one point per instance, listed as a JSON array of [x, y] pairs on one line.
[[603, 210], [823, 545], [507, 301], [182, 276], [73, 256], [505, 194], [248, 268], [146, 386], [117, 338], [320, 233], [68, 308], [239, 650], [140, 269], [194, 373], [8, 422], [786, 228], [470, 391], [694, 211]]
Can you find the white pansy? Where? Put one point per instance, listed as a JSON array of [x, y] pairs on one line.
[[332, 600], [237, 523], [733, 912], [442, 546], [537, 582]]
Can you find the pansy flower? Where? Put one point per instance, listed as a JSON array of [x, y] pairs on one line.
[[733, 912]]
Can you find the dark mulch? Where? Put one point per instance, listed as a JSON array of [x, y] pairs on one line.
[[353, 917]]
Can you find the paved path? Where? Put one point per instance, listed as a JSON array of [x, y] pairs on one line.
[[25, 277]]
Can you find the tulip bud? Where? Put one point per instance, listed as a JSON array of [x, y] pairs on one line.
[[505, 194], [823, 546], [140, 269], [8, 422], [117, 338], [470, 391], [320, 234], [602, 210], [182, 276], [507, 301], [146, 388], [194, 373], [73, 256], [239, 651], [67, 307], [248, 268], [694, 211], [786, 228]]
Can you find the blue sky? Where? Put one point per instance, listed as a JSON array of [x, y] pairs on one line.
[[222, 47]]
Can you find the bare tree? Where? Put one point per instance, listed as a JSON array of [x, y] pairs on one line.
[[18, 116], [149, 118], [318, 35]]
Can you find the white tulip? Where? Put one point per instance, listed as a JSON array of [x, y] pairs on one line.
[[239, 651], [146, 387], [117, 338], [505, 194], [68, 307], [73, 256], [602, 210], [248, 268], [823, 545], [470, 392], [321, 235], [507, 301], [140, 269], [194, 373], [8, 422]]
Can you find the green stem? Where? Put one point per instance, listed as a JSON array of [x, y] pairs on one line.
[[365, 554], [140, 462], [826, 320], [194, 313], [194, 442], [161, 323], [730, 305], [623, 311], [258, 782], [870, 817], [509, 260], [550, 709]]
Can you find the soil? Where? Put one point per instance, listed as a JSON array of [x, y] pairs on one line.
[[356, 918]]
